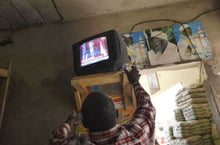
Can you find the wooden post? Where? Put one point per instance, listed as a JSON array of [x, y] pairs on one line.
[[5, 73]]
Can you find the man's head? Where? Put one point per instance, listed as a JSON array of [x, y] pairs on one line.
[[91, 44], [98, 111], [158, 41]]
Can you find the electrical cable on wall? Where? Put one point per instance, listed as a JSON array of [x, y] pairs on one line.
[[177, 22], [174, 21]]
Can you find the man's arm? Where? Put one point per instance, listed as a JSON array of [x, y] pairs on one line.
[[60, 135], [145, 108], [144, 115]]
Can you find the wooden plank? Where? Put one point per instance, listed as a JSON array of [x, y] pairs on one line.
[[77, 100], [214, 105], [127, 92], [99, 79], [4, 72], [5, 95], [29, 13], [134, 101], [10, 14], [46, 10], [83, 92], [171, 67]]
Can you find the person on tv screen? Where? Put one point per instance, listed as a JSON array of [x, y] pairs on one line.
[[99, 115], [93, 51]]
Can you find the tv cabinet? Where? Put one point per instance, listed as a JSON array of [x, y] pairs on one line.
[[80, 86]]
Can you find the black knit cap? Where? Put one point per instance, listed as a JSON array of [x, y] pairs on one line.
[[98, 112]]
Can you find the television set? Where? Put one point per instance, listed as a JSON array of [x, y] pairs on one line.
[[103, 52]]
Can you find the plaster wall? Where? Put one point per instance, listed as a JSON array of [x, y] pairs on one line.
[[40, 96]]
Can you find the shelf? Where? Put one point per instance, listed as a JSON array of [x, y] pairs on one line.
[[80, 84]]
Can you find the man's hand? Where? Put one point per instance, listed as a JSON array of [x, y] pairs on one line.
[[74, 119], [133, 75], [60, 135]]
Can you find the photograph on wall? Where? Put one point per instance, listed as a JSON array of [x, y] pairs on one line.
[[192, 41], [137, 49], [153, 83], [162, 47]]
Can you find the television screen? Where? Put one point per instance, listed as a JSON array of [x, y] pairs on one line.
[[93, 51]]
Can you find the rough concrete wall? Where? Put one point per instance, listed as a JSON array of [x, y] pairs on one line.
[[40, 95]]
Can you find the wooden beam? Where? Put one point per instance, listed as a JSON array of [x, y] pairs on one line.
[[99, 79], [9, 13], [127, 92], [46, 10], [214, 105], [29, 13], [4, 97], [77, 100], [4, 72]]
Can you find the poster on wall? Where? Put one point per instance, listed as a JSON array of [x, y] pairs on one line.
[[192, 41], [152, 47], [153, 82], [167, 45], [137, 49], [162, 47]]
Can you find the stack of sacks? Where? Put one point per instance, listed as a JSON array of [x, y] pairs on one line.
[[206, 139], [196, 128], [190, 95], [191, 128], [178, 114], [217, 142], [189, 99], [193, 140], [197, 111], [169, 134]]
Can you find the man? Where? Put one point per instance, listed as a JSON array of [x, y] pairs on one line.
[[99, 116], [93, 51]]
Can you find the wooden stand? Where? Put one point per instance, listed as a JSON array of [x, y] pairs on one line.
[[80, 84], [5, 76]]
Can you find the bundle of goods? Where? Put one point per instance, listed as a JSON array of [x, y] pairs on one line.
[[193, 140], [169, 134], [206, 139], [178, 114], [194, 88], [197, 111], [193, 116], [193, 94], [191, 128]]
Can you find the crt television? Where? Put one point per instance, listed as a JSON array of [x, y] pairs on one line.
[[103, 52]]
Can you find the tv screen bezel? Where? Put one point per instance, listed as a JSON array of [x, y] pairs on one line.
[[106, 65]]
